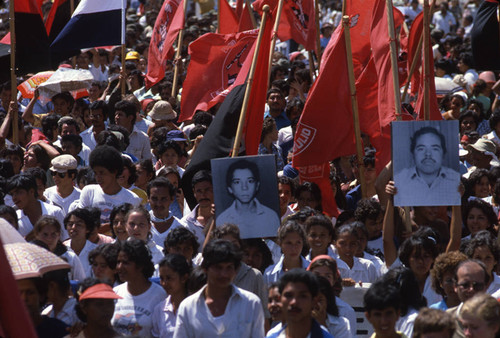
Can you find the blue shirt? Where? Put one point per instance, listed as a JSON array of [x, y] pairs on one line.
[[281, 120]]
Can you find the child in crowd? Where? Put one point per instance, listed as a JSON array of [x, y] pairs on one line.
[[291, 239], [352, 269]]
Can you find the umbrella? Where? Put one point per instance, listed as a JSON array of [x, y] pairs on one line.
[[445, 86], [66, 80], [29, 260], [27, 88], [8, 234]]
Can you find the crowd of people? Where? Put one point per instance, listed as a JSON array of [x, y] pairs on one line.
[[97, 181]]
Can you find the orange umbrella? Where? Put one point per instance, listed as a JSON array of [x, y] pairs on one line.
[[27, 88], [29, 260]]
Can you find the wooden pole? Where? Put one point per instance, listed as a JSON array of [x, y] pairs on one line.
[[318, 40], [178, 55], [312, 69], [274, 36], [123, 82], [354, 104], [250, 12], [412, 68], [416, 57], [425, 33], [244, 107], [394, 59], [13, 79]]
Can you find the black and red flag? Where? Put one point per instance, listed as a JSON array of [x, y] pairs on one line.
[[32, 43]]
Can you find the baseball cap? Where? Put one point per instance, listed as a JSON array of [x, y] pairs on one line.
[[176, 135], [63, 163], [133, 55], [99, 291]]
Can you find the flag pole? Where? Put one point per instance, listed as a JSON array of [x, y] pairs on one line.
[[312, 69], [178, 54], [13, 80], [244, 107], [412, 68], [416, 57], [318, 40], [354, 104], [123, 80], [425, 33], [252, 18], [274, 36], [394, 59]]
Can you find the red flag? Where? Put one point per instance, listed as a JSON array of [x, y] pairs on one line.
[[239, 8], [216, 61], [169, 22], [380, 42], [228, 22], [413, 39], [419, 107], [360, 13], [328, 104], [257, 100], [246, 20], [297, 21]]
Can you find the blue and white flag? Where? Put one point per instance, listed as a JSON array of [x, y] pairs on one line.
[[94, 23]]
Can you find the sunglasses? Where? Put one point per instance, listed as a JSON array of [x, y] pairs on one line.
[[61, 175], [475, 285]]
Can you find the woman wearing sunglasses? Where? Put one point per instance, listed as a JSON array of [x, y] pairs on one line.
[[63, 171]]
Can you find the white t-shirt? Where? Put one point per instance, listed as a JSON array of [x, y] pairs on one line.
[[93, 196], [84, 255], [133, 314], [64, 203], [25, 226]]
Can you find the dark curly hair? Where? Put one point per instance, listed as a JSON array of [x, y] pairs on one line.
[[138, 253], [181, 235], [424, 239]]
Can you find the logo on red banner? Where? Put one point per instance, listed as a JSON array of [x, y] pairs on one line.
[[303, 138]]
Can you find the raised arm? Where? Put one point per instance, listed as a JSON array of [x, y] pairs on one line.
[[390, 251]]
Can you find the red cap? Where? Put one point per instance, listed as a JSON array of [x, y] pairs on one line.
[[102, 291], [318, 258]]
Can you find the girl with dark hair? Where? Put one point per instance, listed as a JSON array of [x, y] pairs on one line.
[[478, 215], [133, 313], [48, 231], [478, 184], [138, 224], [411, 298], [118, 221], [418, 254], [79, 224], [170, 153], [352, 269], [308, 194], [327, 313], [95, 307], [103, 260], [145, 173], [174, 275]]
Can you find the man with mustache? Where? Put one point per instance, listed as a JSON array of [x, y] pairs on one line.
[[428, 182], [198, 220]]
